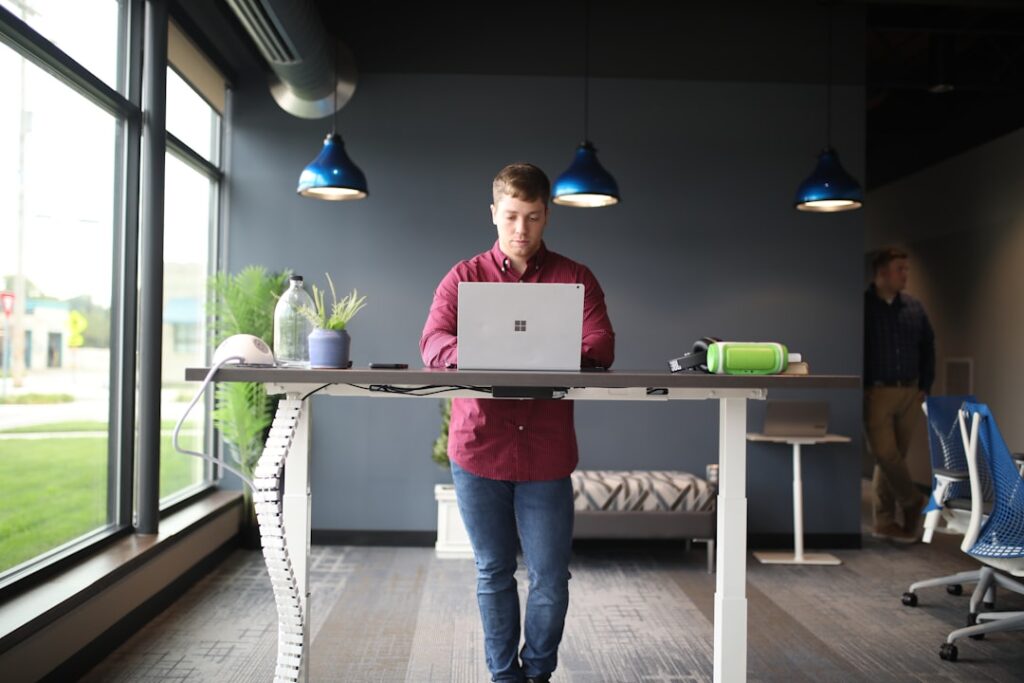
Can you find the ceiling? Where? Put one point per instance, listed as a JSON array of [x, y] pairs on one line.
[[915, 54], [940, 76]]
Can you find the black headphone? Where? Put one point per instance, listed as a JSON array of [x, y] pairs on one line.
[[696, 359]]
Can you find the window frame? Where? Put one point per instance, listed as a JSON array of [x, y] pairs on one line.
[[127, 111]]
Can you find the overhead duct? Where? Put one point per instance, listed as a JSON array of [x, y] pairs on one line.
[[304, 58]]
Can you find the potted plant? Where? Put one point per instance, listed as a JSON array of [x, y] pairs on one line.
[[452, 539], [243, 303], [329, 342]]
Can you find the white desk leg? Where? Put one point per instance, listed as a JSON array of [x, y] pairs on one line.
[[798, 507], [296, 502], [731, 578]]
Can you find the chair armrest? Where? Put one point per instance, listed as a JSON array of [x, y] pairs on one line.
[[1018, 456], [953, 475]]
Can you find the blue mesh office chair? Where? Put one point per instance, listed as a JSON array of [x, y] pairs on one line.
[[949, 507], [997, 540]]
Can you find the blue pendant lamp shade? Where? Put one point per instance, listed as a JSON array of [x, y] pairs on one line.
[[829, 188], [585, 183], [332, 175]]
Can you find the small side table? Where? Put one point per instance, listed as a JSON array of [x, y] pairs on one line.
[[798, 556]]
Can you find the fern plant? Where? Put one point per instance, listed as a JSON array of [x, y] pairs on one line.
[[243, 303]]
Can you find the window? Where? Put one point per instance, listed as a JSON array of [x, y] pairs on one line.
[[69, 158], [87, 30], [58, 182], [192, 184]]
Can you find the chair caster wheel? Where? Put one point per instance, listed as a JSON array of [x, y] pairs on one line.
[[955, 589], [948, 652], [972, 620], [910, 599]]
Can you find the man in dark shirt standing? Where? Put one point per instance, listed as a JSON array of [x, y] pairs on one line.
[[511, 459], [899, 368]]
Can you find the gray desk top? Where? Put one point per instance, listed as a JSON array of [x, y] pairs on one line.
[[608, 379]]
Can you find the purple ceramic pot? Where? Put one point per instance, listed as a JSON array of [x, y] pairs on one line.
[[329, 348]]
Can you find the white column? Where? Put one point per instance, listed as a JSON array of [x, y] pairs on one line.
[[798, 507], [296, 503], [731, 578]]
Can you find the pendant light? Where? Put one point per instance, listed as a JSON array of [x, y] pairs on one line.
[[332, 175], [585, 184], [829, 188]]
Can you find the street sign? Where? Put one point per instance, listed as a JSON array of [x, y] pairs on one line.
[[7, 298]]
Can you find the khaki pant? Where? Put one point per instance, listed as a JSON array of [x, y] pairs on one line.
[[891, 416]]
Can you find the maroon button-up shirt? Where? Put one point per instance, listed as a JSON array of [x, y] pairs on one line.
[[515, 440]]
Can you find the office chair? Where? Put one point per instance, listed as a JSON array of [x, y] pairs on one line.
[[950, 502], [998, 541]]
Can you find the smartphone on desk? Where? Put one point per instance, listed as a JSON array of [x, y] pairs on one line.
[[389, 366]]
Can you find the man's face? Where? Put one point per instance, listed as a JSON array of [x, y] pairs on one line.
[[894, 274], [520, 225]]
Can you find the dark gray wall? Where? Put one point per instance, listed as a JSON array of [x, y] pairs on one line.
[[704, 242]]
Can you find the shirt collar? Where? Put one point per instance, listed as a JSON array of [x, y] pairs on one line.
[[534, 263], [896, 301]]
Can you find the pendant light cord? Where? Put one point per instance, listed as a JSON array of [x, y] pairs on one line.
[[334, 86], [586, 70], [828, 82]]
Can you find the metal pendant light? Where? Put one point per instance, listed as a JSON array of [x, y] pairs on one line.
[[829, 188], [332, 175], [586, 183]]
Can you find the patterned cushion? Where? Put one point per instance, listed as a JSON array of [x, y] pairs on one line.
[[639, 491]]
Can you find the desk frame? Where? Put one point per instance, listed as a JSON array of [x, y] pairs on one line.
[[731, 392]]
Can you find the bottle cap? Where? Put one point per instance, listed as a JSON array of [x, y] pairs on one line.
[[296, 278]]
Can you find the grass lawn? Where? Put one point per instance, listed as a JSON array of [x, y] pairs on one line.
[[54, 490], [83, 426]]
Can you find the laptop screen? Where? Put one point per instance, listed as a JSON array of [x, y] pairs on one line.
[[520, 326], [796, 418]]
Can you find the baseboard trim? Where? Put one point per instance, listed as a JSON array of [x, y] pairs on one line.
[[76, 666], [416, 539], [761, 541]]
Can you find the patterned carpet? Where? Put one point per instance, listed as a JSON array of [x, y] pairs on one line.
[[638, 613]]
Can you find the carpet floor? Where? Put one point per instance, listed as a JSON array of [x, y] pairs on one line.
[[637, 613]]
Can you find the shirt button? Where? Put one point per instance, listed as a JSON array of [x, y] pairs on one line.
[[520, 427]]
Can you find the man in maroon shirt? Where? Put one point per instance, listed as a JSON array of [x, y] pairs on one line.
[[511, 459]]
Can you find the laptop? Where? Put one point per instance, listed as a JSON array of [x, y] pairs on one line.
[[796, 418], [520, 326]]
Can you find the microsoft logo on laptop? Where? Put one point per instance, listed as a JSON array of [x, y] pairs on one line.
[[520, 326]]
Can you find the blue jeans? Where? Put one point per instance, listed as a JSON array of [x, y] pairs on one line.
[[542, 513]]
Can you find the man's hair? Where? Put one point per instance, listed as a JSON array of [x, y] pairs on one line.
[[522, 181], [885, 256]]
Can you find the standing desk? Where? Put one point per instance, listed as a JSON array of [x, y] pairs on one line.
[[282, 495]]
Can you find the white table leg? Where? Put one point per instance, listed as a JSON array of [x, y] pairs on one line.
[[296, 503], [798, 507], [798, 556], [731, 579]]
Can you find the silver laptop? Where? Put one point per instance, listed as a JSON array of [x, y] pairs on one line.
[[520, 326], [796, 418]]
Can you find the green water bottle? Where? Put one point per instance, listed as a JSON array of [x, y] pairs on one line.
[[747, 358]]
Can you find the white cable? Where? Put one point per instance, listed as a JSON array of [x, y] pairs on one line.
[[177, 428]]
